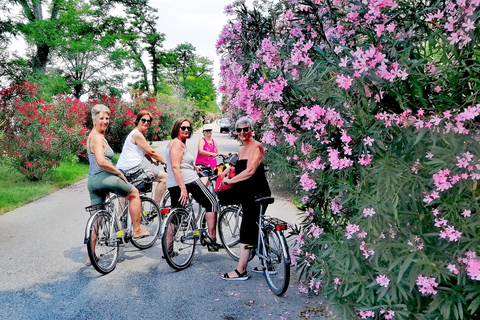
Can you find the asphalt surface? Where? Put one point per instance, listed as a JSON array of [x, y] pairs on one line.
[[43, 274]]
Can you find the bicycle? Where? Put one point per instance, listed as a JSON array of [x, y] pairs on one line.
[[181, 232], [110, 226], [272, 249]]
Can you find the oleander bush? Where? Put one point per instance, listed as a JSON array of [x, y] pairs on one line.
[[372, 108]]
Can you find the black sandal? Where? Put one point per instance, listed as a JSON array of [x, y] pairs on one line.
[[241, 276]]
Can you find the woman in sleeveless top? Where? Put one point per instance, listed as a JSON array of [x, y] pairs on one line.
[[207, 150], [182, 178], [249, 181], [103, 176], [136, 148]]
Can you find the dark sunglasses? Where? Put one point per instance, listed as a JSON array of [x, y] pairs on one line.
[[246, 129], [147, 121], [186, 128], [209, 130]]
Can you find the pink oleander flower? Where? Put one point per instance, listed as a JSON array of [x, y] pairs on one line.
[[382, 280], [270, 138], [452, 268], [366, 314], [316, 231], [336, 206], [368, 212], [351, 229], [429, 155], [450, 233], [307, 183], [387, 314], [427, 285], [368, 141], [344, 82], [437, 89], [290, 138], [466, 213], [473, 269]]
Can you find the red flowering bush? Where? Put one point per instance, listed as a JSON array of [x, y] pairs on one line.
[[372, 108], [38, 135]]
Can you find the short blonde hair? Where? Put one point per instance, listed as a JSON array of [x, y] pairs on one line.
[[99, 108]]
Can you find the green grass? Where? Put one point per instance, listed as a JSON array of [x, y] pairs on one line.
[[17, 190]]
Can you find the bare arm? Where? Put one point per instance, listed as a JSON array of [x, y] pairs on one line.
[[139, 139], [96, 145], [201, 144], [176, 155], [254, 160]]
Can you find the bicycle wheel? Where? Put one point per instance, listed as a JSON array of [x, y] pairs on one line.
[[178, 241], [101, 246], [229, 231], [277, 262], [150, 220], [166, 201]]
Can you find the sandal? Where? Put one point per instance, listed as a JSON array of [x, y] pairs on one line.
[[241, 276], [262, 270]]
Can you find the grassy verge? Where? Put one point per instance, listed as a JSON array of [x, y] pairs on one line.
[[17, 190]]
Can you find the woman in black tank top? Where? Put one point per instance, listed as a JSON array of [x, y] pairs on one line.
[[249, 182]]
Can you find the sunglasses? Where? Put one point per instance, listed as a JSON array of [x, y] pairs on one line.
[[185, 128], [147, 121], [246, 129], [210, 130]]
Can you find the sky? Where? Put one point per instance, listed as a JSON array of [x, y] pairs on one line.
[[196, 21]]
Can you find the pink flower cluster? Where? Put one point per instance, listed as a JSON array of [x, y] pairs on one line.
[[382, 280], [307, 183], [316, 231], [387, 314], [368, 212], [427, 285], [366, 314]]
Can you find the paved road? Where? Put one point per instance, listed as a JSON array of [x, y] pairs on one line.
[[43, 273]]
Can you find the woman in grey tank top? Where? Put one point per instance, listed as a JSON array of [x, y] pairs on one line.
[[183, 178], [103, 176]]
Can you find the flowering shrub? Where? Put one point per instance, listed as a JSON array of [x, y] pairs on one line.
[[372, 107], [38, 135]]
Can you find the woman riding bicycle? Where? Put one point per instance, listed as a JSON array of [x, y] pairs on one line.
[[103, 176], [136, 148], [183, 178], [207, 151], [249, 182]]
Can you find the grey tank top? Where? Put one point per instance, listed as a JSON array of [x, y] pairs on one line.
[[187, 165], [94, 168]]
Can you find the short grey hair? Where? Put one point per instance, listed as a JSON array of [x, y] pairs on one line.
[[99, 108], [244, 120]]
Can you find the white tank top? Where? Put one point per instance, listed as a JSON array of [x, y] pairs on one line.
[[132, 155]]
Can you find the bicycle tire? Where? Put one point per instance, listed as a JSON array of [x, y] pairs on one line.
[[178, 241], [276, 252], [150, 220], [102, 248], [229, 231], [166, 201]]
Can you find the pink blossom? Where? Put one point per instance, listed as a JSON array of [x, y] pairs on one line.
[[366, 314], [467, 213], [290, 138], [351, 229], [344, 82], [368, 141], [452, 268], [382, 280], [388, 314], [269, 137], [473, 269], [307, 183], [368, 212], [316, 231], [450, 233], [427, 285]]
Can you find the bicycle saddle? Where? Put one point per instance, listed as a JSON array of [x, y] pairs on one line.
[[265, 200]]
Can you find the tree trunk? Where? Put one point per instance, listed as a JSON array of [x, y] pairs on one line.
[[40, 60]]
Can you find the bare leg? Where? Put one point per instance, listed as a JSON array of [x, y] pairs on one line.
[[242, 261], [211, 218], [205, 180], [161, 186], [135, 211]]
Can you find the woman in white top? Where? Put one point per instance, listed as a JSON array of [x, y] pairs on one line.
[[136, 147], [183, 178]]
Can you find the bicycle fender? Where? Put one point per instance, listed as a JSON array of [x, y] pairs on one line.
[[89, 223], [286, 252]]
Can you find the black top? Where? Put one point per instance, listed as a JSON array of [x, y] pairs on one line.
[[256, 184]]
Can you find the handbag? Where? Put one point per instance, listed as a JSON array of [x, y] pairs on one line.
[[141, 179], [227, 195]]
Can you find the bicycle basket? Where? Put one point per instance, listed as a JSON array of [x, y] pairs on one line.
[[141, 179]]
